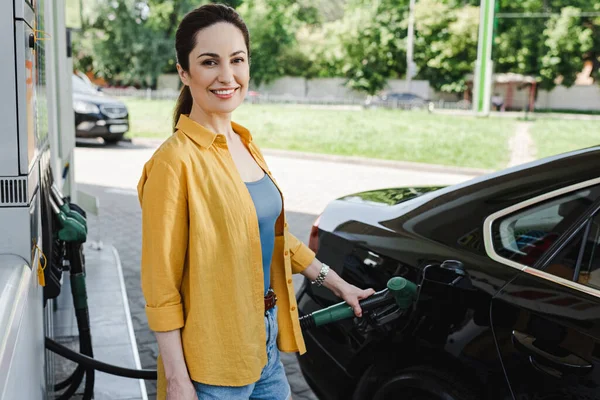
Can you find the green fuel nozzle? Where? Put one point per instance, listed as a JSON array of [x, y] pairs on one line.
[[71, 230], [399, 291], [66, 209]]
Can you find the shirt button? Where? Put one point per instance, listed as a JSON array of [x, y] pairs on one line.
[[286, 253], [289, 281], [293, 308]]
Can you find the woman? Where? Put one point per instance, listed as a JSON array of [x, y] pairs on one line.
[[215, 245]]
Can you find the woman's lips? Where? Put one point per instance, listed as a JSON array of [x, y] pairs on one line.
[[224, 93]]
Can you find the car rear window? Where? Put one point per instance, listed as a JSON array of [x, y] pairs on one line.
[[525, 235]]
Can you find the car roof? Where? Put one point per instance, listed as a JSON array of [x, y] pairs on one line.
[[541, 175], [465, 206]]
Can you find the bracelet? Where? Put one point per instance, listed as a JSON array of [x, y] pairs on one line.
[[322, 275]]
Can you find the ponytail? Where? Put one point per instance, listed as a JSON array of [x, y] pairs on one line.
[[183, 105]]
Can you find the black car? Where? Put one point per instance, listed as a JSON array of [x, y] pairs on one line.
[[97, 115], [406, 101], [523, 320]]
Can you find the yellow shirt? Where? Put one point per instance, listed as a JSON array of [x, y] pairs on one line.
[[201, 263]]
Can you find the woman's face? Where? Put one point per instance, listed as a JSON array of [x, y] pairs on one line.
[[219, 72]]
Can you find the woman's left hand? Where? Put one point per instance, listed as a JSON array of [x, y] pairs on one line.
[[352, 295]]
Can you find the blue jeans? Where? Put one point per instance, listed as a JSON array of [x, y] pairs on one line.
[[272, 384]]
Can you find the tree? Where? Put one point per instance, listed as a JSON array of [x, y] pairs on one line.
[[445, 43], [129, 41], [552, 48], [273, 25], [567, 42], [132, 41], [372, 38]]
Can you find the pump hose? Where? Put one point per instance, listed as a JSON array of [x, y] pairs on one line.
[[74, 254], [85, 339], [148, 374], [61, 385], [77, 378]]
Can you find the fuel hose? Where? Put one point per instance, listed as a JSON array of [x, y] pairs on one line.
[[89, 362]]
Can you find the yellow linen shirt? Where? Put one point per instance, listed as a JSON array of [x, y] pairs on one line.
[[201, 267]]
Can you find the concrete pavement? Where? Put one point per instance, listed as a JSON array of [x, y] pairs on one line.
[[111, 173]]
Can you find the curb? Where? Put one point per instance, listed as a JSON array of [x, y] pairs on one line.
[[134, 346], [423, 167], [531, 116], [447, 169]]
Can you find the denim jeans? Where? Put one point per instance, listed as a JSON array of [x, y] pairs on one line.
[[272, 384]]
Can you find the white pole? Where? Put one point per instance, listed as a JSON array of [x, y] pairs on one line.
[[410, 64]]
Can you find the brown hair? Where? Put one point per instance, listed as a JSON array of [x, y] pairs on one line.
[[185, 41]]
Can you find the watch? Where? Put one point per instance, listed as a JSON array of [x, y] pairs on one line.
[[322, 275]]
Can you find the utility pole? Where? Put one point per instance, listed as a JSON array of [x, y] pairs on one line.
[[411, 68], [482, 80]]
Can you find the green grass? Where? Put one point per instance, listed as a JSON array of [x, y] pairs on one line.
[[149, 118], [386, 134], [555, 136]]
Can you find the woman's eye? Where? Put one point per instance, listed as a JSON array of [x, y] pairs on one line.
[[209, 62], [238, 60]]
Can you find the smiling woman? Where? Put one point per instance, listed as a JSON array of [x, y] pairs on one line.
[[217, 255]]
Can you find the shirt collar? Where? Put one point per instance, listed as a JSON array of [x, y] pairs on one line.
[[205, 137]]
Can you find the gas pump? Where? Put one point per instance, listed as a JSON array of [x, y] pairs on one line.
[[32, 112], [24, 183]]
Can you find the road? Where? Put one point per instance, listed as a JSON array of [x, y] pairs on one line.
[[111, 173]]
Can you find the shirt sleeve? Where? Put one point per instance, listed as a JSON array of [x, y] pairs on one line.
[[163, 197], [301, 255]]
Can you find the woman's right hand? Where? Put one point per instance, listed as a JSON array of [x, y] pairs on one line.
[[181, 389]]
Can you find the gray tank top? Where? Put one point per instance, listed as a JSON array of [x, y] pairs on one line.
[[267, 201]]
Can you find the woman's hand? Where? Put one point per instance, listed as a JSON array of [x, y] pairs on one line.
[[181, 389], [352, 295]]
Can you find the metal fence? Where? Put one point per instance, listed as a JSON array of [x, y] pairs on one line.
[[266, 98]]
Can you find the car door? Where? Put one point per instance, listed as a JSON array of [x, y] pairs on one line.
[[546, 321]]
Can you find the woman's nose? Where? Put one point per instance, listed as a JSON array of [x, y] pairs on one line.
[[225, 74]]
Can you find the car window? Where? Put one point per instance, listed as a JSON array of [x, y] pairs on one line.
[[525, 235], [589, 272], [582, 253]]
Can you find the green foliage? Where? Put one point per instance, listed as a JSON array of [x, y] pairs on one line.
[[321, 51], [372, 38], [130, 41], [272, 24], [553, 48], [363, 41], [567, 42], [445, 43]]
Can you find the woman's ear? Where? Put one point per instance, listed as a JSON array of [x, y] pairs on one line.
[[183, 75]]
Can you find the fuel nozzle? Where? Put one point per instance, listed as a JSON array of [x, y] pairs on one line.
[[399, 291], [71, 230], [66, 208]]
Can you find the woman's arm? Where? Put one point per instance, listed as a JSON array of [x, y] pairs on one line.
[[171, 352], [304, 262], [163, 199], [179, 383], [349, 293]]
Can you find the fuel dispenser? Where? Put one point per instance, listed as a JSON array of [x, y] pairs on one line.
[[24, 182]]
